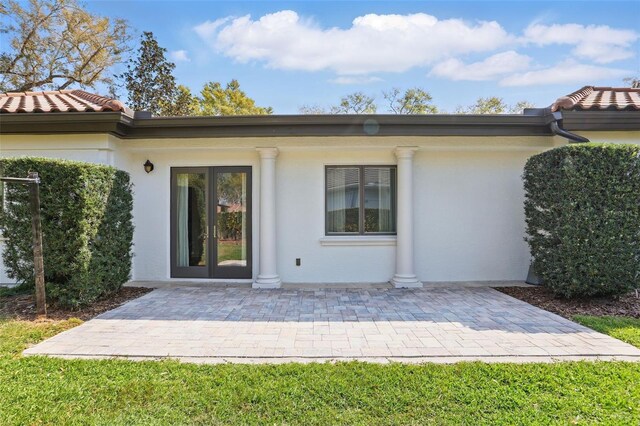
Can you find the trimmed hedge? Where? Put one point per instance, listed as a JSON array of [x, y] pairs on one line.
[[86, 223], [582, 207]]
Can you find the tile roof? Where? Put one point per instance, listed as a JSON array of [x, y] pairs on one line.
[[591, 98], [59, 101]]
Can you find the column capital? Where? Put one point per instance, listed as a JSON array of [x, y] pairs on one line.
[[267, 153], [405, 151]]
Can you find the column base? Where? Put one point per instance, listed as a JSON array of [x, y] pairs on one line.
[[405, 281], [267, 281]]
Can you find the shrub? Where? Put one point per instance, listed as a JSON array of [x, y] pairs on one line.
[[229, 225], [582, 206], [86, 224]]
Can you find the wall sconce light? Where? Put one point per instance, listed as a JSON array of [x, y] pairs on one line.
[[148, 166]]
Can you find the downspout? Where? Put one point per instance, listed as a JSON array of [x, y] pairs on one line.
[[556, 128]]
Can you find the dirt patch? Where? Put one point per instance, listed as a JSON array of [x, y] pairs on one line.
[[624, 306], [23, 307]]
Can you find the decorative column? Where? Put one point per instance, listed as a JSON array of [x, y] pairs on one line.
[[267, 273], [405, 275]]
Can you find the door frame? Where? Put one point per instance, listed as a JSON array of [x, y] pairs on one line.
[[231, 271], [212, 270], [188, 271]]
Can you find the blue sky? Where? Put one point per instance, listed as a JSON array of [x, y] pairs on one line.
[[286, 54]]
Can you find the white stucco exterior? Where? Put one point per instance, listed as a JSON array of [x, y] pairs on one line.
[[467, 198]]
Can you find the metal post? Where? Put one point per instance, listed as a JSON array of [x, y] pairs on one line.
[[38, 261]]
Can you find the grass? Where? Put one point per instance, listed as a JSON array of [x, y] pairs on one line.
[[15, 336], [622, 328], [35, 390], [229, 250]]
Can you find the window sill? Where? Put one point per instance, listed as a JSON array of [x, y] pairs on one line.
[[358, 240]]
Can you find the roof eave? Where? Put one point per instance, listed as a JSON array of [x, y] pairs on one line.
[[115, 123], [125, 127], [601, 120]]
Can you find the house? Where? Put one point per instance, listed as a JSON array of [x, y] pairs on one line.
[[317, 198]]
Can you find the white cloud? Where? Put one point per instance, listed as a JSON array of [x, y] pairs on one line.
[[563, 73], [600, 43], [354, 79], [373, 43], [488, 69], [179, 56], [208, 29], [396, 43]]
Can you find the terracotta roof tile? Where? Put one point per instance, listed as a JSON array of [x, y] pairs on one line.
[[59, 101], [591, 98]]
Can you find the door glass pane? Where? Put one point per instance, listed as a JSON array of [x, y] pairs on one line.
[[343, 199], [191, 219], [378, 199], [231, 219]]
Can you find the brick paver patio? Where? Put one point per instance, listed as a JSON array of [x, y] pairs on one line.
[[376, 324]]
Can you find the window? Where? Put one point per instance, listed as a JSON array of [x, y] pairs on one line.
[[360, 200]]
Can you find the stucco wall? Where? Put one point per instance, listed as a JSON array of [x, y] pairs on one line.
[[301, 221], [92, 148], [469, 216], [613, 137], [4, 279], [469, 222], [468, 198]]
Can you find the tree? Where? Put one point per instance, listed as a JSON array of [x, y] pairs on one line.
[[53, 44], [490, 105], [633, 82], [355, 103], [149, 79], [230, 189], [313, 109], [183, 103], [520, 106], [412, 101], [231, 100], [494, 105], [4, 28]]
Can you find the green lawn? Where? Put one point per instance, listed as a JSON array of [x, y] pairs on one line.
[[625, 329], [229, 250], [38, 390]]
